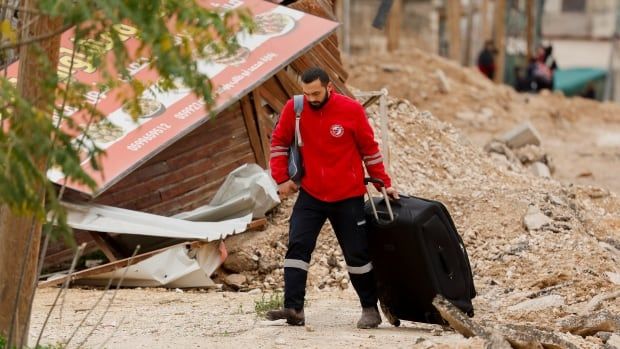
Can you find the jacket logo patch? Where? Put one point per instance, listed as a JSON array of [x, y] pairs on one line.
[[336, 130]]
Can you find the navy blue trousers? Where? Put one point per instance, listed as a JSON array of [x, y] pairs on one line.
[[347, 219]]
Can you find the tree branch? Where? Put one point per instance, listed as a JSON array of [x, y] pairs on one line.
[[19, 8], [35, 39]]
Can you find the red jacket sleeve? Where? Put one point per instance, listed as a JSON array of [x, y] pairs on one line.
[[369, 148], [281, 139]]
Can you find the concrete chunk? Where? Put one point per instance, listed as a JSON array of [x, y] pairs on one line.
[[444, 85], [545, 302], [613, 341], [534, 219], [540, 169], [521, 135]]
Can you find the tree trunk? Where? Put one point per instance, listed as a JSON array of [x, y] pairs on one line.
[[500, 39], [394, 23], [469, 34], [530, 15], [20, 236], [453, 17]]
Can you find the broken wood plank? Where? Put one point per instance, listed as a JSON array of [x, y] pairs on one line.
[[67, 254], [590, 324], [525, 336], [111, 266], [321, 8], [310, 60], [269, 96], [332, 47], [334, 63], [276, 92], [289, 84], [595, 302], [110, 252], [249, 117], [257, 224], [460, 322], [263, 131]]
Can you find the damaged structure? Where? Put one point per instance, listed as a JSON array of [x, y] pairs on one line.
[[181, 173]]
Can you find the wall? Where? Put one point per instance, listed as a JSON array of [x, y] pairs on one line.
[[187, 174]]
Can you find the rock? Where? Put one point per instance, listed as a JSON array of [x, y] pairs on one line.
[[555, 200], [444, 85], [266, 265], [388, 68], [240, 261], [613, 277], [521, 135], [604, 336], [613, 341], [541, 170], [332, 261], [268, 323], [487, 113], [89, 263], [597, 193], [255, 291], [534, 219], [611, 139], [590, 324], [466, 115], [235, 281], [545, 302], [280, 341]]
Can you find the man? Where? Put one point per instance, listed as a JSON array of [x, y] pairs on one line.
[[336, 139], [486, 59]]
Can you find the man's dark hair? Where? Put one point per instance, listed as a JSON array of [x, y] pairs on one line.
[[314, 73]]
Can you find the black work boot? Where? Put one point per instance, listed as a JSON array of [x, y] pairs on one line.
[[292, 316], [370, 318]]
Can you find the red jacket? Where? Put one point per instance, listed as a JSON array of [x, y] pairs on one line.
[[336, 138]]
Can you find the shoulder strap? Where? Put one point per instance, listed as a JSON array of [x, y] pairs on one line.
[[298, 103]]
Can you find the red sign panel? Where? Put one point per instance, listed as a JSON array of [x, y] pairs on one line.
[[282, 35]]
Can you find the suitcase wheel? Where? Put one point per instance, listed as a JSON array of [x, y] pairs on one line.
[[393, 320]]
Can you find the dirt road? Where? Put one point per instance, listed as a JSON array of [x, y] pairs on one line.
[[160, 318]]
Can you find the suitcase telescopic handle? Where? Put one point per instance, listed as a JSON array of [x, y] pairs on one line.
[[385, 197]]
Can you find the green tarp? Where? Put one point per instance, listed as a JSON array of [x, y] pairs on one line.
[[573, 81]]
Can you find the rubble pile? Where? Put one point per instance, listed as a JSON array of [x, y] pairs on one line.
[[541, 251], [580, 136]]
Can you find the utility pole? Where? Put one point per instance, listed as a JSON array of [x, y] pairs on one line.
[[484, 16], [394, 23], [531, 18], [499, 25], [469, 32], [20, 236], [453, 17]]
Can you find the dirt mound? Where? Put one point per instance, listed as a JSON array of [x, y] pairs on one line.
[[524, 275], [571, 259], [582, 136]]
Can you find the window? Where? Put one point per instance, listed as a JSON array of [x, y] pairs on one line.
[[573, 5]]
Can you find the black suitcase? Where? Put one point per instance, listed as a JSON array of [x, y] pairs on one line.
[[416, 255]]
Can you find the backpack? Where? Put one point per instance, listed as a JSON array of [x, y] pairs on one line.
[[295, 165]]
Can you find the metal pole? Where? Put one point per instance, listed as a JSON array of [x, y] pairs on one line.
[[346, 26], [385, 137]]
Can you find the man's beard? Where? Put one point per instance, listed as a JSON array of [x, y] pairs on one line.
[[319, 105]]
